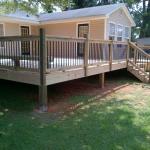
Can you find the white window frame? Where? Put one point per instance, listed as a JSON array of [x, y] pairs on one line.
[[3, 32], [118, 28], [118, 36], [20, 25], [111, 35], [79, 23], [110, 28], [3, 27], [125, 33]]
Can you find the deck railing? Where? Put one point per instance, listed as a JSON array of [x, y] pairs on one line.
[[120, 50], [140, 58], [60, 53], [98, 52], [18, 52]]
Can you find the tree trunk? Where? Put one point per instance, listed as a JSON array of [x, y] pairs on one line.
[[144, 6], [148, 8]]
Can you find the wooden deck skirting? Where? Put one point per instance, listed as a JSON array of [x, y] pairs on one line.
[[51, 60]]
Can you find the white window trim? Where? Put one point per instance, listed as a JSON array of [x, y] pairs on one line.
[[129, 32], [20, 25], [3, 28], [4, 31], [105, 29], [78, 23], [115, 28], [122, 31]]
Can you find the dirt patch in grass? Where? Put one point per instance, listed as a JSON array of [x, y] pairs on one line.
[[59, 107], [127, 89], [74, 94]]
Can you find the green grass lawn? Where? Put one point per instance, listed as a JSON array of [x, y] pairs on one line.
[[119, 121]]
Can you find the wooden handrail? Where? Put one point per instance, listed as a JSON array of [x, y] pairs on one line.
[[64, 38], [139, 49], [107, 41], [145, 47], [83, 39], [19, 38]]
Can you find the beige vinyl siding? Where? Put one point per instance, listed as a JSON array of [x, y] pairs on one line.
[[12, 29], [97, 29], [70, 29], [35, 30], [61, 29]]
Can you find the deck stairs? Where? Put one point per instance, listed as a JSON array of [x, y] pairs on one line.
[[139, 63]]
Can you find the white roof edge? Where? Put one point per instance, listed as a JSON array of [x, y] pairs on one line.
[[17, 20], [123, 6], [74, 19]]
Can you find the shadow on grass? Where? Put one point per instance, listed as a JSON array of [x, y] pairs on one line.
[[109, 125], [17, 96]]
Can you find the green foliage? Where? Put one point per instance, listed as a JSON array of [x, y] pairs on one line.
[[49, 5], [8, 6], [31, 6], [83, 3], [145, 27]]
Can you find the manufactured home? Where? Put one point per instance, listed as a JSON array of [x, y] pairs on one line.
[[50, 48], [112, 22]]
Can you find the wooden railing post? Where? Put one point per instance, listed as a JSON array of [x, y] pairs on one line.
[[86, 55], [149, 74], [128, 52], [16, 63], [43, 100], [110, 55], [135, 55]]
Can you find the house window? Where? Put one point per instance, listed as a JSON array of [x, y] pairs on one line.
[[83, 31], [1, 34], [112, 31], [119, 33], [126, 32]]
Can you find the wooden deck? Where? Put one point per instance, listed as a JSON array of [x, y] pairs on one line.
[[53, 60], [57, 76]]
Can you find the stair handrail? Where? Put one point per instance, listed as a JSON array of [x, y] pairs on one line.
[[135, 47], [139, 49]]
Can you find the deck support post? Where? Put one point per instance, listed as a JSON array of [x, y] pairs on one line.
[[43, 99], [102, 80], [86, 55], [110, 55], [16, 63]]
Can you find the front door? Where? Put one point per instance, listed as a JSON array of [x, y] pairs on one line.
[[83, 30], [25, 45]]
